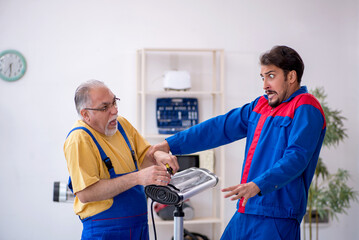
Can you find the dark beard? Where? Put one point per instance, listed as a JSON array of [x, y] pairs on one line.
[[274, 104]]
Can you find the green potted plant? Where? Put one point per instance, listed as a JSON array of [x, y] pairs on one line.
[[329, 193]]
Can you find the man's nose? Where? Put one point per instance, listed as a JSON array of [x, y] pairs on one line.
[[265, 84], [114, 109]]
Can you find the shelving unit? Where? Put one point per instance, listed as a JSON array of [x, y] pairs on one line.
[[206, 68]]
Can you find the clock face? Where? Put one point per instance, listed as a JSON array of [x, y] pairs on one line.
[[12, 65]]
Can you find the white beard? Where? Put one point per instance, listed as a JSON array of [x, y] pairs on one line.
[[110, 132]]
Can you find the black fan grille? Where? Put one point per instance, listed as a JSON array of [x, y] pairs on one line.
[[162, 194]]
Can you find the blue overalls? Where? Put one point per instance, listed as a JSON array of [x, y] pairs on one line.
[[127, 217]]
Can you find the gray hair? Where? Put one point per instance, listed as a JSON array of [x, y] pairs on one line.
[[82, 96]]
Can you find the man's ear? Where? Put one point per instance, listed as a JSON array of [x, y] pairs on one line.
[[292, 76], [85, 114]]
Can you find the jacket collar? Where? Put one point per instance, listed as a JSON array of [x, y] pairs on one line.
[[301, 90]]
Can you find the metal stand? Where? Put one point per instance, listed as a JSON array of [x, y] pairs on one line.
[[178, 215]]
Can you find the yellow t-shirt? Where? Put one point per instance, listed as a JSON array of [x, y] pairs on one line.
[[86, 166]]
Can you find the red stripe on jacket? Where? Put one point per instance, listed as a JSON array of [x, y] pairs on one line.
[[282, 110]]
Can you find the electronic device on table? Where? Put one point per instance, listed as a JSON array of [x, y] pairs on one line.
[[176, 114]]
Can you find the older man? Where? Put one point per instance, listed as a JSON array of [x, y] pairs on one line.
[[109, 162]]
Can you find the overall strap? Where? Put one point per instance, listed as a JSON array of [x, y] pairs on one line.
[[122, 131], [104, 157]]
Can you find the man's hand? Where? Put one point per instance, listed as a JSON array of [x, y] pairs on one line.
[[157, 175], [159, 155], [163, 158], [109, 188], [163, 146], [245, 191]]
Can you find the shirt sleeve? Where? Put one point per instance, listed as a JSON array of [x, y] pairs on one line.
[[81, 160], [213, 132]]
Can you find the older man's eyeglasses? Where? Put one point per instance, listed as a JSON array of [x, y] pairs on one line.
[[106, 107]]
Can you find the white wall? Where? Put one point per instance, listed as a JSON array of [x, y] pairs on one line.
[[67, 42]]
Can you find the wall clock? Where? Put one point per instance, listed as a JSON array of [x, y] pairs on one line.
[[12, 65]]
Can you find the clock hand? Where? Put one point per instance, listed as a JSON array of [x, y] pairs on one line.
[[10, 68]]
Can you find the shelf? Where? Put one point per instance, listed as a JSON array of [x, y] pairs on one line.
[[178, 50], [206, 68], [158, 136], [209, 220], [181, 93]]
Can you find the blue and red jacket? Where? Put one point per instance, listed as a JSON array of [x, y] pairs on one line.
[[282, 149]]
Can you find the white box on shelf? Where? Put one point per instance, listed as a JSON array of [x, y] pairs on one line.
[[177, 80]]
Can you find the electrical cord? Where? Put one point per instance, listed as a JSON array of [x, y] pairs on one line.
[[153, 220]]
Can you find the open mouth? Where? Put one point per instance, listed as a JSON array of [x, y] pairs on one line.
[[270, 94], [112, 122]]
